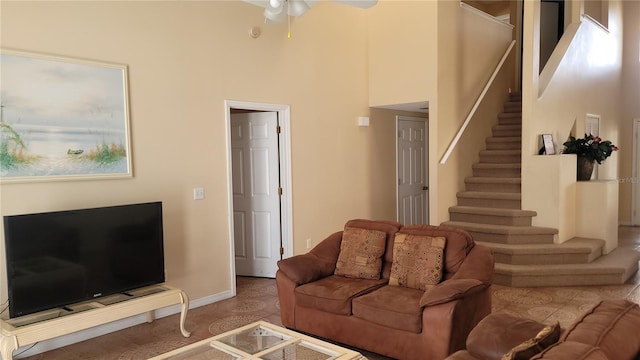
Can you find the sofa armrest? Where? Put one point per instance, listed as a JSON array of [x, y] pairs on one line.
[[475, 274], [478, 264], [318, 263], [450, 290]]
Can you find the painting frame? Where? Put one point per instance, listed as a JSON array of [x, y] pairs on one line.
[[63, 118]]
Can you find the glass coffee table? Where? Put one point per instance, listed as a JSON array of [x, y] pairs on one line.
[[261, 340]]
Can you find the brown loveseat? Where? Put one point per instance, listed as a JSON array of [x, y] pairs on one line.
[[400, 321], [610, 330]]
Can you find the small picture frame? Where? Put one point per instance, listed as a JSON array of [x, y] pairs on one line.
[[547, 144]]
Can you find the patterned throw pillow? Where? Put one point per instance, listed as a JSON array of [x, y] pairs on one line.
[[361, 253], [417, 261]]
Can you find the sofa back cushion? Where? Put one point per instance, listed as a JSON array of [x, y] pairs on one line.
[[572, 350], [458, 245], [611, 325]]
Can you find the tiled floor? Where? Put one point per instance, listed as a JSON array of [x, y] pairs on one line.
[[257, 299]]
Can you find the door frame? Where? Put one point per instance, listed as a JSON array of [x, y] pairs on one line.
[[286, 203], [426, 164], [635, 175]]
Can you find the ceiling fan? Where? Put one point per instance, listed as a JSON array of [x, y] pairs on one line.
[[278, 10]]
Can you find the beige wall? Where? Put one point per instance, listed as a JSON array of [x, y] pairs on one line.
[[185, 59], [402, 60], [469, 48], [631, 105], [586, 80]]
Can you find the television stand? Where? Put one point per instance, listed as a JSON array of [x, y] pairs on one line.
[[32, 328]]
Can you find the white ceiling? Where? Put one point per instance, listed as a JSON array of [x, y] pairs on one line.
[[420, 107]]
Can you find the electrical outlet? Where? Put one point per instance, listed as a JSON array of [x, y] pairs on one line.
[[198, 193], [308, 243]]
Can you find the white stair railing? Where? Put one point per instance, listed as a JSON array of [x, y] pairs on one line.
[[456, 138]]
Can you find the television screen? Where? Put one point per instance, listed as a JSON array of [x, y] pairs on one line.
[[59, 258]]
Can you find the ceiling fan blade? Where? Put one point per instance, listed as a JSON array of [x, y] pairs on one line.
[[261, 3], [364, 4], [297, 7]]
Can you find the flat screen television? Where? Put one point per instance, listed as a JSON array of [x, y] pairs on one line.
[[55, 259]]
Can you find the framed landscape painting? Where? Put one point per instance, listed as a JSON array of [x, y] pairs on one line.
[[62, 119]]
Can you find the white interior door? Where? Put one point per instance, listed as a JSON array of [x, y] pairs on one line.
[[256, 199], [413, 193]]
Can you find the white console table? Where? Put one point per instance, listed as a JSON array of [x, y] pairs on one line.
[[30, 329]]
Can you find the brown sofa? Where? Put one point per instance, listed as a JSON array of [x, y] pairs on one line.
[[394, 320], [610, 330]]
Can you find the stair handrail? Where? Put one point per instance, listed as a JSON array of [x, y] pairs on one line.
[[458, 135]]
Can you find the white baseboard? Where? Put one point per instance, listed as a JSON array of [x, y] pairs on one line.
[[62, 341]]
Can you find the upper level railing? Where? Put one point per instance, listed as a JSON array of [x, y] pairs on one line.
[[458, 135]]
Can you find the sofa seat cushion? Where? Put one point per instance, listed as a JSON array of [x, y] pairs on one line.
[[391, 306], [334, 293], [572, 350], [611, 325]]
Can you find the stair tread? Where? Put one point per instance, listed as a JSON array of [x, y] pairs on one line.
[[502, 229], [508, 126], [492, 180], [491, 211], [496, 165], [501, 152], [572, 246], [617, 261], [489, 195]]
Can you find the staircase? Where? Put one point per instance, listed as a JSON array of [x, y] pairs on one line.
[[526, 256]]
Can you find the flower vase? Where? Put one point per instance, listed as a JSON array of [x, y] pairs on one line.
[[585, 168]]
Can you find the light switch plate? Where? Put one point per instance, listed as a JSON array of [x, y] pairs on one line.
[[198, 193]]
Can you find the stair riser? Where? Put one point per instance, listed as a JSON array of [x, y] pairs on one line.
[[504, 146], [543, 259], [512, 239], [493, 220], [495, 203], [499, 159], [508, 173], [558, 280], [491, 187], [510, 119], [512, 107], [506, 132]]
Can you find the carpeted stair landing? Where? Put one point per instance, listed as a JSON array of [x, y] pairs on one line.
[[526, 256]]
